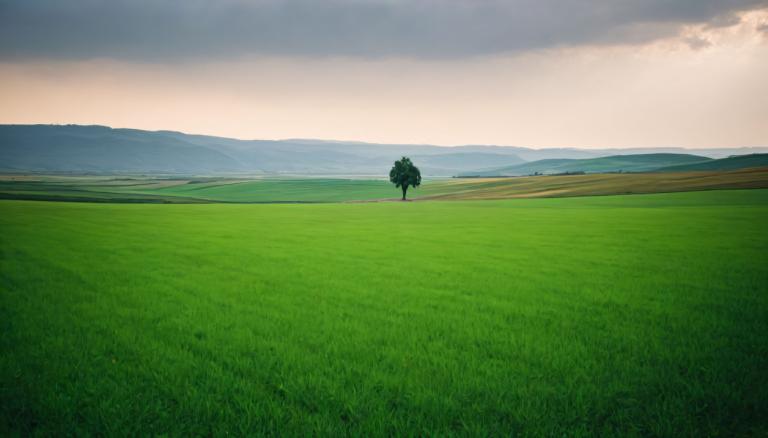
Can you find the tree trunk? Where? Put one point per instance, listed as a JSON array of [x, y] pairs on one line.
[[405, 189]]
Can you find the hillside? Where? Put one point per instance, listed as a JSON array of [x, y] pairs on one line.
[[466, 159], [104, 150], [730, 163], [308, 190], [615, 163], [99, 149], [602, 184]]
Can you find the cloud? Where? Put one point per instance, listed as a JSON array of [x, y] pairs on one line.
[[696, 42], [147, 30]]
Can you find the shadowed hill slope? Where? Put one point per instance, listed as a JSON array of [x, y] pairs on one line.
[[730, 163], [614, 163]]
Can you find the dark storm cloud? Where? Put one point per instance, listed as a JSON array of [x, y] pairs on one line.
[[176, 29]]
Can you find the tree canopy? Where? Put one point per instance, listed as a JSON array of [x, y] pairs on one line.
[[404, 174]]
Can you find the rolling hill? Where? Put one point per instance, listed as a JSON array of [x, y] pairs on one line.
[[99, 149], [324, 189], [730, 163], [615, 163], [104, 150]]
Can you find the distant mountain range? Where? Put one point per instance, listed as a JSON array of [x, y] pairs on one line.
[[100, 149]]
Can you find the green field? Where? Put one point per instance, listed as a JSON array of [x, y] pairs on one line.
[[294, 190], [613, 315], [196, 190], [158, 189], [613, 163], [730, 163]]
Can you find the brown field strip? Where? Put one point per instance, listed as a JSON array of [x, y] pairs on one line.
[[605, 184]]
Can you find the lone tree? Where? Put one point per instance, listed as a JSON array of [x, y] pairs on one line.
[[404, 174]]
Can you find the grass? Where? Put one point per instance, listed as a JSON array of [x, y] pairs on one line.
[[190, 190], [614, 163], [617, 315], [305, 190], [604, 184], [314, 190], [729, 163]]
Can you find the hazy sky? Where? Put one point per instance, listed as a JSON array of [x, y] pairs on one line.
[[583, 73]]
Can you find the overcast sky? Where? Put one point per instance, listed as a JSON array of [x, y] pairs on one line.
[[583, 73]]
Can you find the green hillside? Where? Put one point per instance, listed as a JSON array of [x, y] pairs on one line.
[[261, 190], [293, 190], [599, 316], [730, 163], [614, 163]]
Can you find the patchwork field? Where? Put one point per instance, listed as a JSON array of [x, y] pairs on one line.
[[614, 315], [312, 190]]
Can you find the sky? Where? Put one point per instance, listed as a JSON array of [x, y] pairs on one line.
[[535, 73]]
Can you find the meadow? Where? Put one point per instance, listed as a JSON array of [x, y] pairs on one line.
[[613, 315], [254, 189]]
